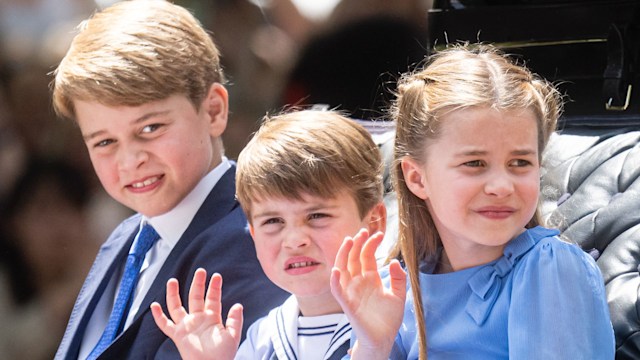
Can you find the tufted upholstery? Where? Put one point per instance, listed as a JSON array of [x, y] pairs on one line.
[[591, 192]]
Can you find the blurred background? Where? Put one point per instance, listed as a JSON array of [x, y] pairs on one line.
[[53, 211]]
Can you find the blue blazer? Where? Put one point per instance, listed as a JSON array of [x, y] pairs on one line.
[[217, 239]]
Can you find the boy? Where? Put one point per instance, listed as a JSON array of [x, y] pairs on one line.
[[306, 181], [143, 81]]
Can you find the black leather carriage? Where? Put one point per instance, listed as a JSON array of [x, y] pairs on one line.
[[590, 182]]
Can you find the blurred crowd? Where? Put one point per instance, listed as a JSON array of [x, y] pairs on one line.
[[54, 213]]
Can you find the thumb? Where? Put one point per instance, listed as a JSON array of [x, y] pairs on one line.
[[398, 279]]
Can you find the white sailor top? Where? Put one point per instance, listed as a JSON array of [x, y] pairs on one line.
[[275, 336]]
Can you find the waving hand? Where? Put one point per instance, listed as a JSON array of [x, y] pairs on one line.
[[200, 333], [374, 311]]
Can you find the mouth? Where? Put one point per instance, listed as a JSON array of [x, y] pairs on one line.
[[302, 264], [146, 183], [496, 213]]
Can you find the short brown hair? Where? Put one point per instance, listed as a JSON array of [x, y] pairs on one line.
[[310, 152], [135, 52]]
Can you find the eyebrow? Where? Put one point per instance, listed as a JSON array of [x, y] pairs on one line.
[[312, 208], [519, 152], [142, 118], [264, 214]]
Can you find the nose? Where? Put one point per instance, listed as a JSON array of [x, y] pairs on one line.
[[295, 238], [131, 156], [499, 183]]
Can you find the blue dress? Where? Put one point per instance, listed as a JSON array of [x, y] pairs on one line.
[[543, 299]]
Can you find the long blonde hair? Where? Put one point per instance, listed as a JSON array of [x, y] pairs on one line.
[[458, 77]]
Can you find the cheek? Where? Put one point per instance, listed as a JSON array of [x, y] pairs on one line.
[[266, 253], [194, 158], [265, 261], [530, 192], [106, 170], [331, 250], [456, 194]]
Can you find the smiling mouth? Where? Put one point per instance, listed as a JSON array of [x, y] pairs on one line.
[[147, 182], [301, 264], [497, 214]]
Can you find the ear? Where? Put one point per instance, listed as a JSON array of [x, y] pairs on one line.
[[251, 230], [414, 177], [216, 105], [377, 218]]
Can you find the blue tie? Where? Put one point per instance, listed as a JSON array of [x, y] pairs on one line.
[[146, 238]]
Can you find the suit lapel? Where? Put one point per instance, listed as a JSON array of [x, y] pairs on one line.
[[219, 202], [111, 254]]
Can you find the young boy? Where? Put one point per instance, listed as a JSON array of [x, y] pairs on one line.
[[306, 181], [142, 79]]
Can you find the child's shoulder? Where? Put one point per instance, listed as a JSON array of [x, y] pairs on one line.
[[551, 254], [547, 242], [259, 343]]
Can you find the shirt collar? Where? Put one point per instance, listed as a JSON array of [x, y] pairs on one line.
[[171, 225]]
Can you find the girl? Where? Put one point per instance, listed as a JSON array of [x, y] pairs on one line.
[[486, 282]]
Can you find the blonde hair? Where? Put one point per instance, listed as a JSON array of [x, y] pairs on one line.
[[459, 77], [135, 52], [310, 152]]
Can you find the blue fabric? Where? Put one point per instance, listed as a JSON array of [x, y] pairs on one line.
[[217, 240], [148, 236], [543, 299]]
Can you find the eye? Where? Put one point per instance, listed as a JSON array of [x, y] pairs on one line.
[[272, 221], [150, 128], [474, 163], [520, 163], [319, 220], [315, 216], [103, 143]]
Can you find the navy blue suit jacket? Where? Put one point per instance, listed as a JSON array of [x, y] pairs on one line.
[[217, 239]]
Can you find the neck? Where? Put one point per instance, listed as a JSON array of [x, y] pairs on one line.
[[454, 258], [443, 265], [318, 305], [216, 160]]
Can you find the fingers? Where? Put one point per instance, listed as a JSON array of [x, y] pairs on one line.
[[336, 286], [362, 257], [342, 257], [398, 279], [354, 264], [164, 324], [368, 254], [213, 301], [340, 274], [174, 303], [234, 323], [357, 255], [196, 291]]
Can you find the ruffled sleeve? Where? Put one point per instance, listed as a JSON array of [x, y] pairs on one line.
[[558, 306]]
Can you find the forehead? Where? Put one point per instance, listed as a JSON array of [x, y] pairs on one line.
[[92, 114], [305, 201], [482, 124]]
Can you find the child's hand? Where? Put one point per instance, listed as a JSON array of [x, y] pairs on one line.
[[375, 312], [201, 333]]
